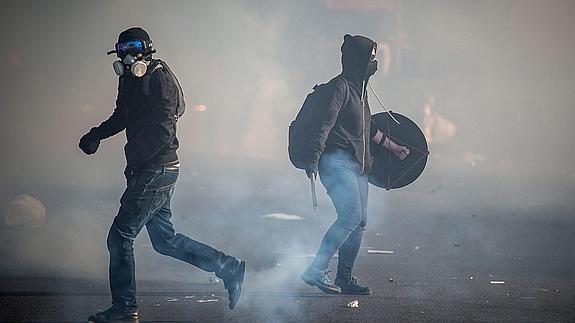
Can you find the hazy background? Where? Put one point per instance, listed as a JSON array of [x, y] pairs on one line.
[[496, 78]]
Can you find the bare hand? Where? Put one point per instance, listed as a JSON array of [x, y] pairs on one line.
[[401, 152]]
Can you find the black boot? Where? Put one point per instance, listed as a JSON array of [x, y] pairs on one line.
[[350, 286], [321, 280], [232, 274], [114, 314]]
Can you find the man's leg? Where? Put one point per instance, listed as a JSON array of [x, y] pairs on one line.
[[342, 187], [339, 176], [350, 248], [135, 210], [167, 242]]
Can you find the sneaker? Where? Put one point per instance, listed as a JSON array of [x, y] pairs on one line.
[[351, 286], [115, 315], [233, 277], [321, 280]]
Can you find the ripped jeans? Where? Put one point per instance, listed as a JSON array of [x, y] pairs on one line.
[[146, 201], [341, 175]]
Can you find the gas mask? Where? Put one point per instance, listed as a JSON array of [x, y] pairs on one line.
[[136, 66], [132, 54], [371, 69]]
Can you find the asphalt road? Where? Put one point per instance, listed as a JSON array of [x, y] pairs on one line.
[[429, 277]]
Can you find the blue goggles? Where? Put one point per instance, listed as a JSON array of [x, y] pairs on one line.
[[130, 47]]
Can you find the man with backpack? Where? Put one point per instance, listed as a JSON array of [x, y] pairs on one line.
[[149, 103], [332, 135]]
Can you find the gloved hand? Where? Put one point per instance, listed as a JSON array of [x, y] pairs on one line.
[[90, 142]]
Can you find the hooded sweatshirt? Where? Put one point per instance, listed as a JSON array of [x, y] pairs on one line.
[[150, 122], [345, 120]]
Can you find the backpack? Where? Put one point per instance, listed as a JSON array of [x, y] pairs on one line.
[[303, 129], [181, 108]]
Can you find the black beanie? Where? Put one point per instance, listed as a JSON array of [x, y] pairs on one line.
[[133, 34]]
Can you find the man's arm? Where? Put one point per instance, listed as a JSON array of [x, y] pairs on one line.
[[90, 142], [115, 122], [113, 125], [326, 116], [376, 135], [161, 125], [379, 138]]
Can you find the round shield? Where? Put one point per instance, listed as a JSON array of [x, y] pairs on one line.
[[388, 171]]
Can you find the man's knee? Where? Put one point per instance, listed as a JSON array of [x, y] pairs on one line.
[[351, 219], [118, 242], [162, 247]]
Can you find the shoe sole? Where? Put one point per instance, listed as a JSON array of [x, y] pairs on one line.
[[322, 288], [240, 282]]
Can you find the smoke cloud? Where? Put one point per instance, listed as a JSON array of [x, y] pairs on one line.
[[501, 75]]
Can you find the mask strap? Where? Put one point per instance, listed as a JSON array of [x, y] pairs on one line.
[[383, 106]]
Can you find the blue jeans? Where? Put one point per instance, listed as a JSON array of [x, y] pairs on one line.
[[341, 175], [146, 201]]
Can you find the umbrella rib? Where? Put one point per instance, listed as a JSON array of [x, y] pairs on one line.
[[407, 170]]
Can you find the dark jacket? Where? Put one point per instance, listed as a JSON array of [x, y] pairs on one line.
[[346, 119], [149, 121]]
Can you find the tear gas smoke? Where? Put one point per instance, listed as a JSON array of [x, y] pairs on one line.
[[501, 73]]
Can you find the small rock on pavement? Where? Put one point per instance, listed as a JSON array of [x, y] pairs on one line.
[[354, 303]]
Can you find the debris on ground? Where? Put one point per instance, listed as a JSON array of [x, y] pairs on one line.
[[391, 280], [171, 299], [471, 277], [206, 300], [188, 297], [457, 245], [497, 282], [416, 248], [282, 216], [214, 280], [354, 303], [382, 252]]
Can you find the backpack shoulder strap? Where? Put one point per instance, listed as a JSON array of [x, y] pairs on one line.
[[181, 102], [347, 90], [146, 80]]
